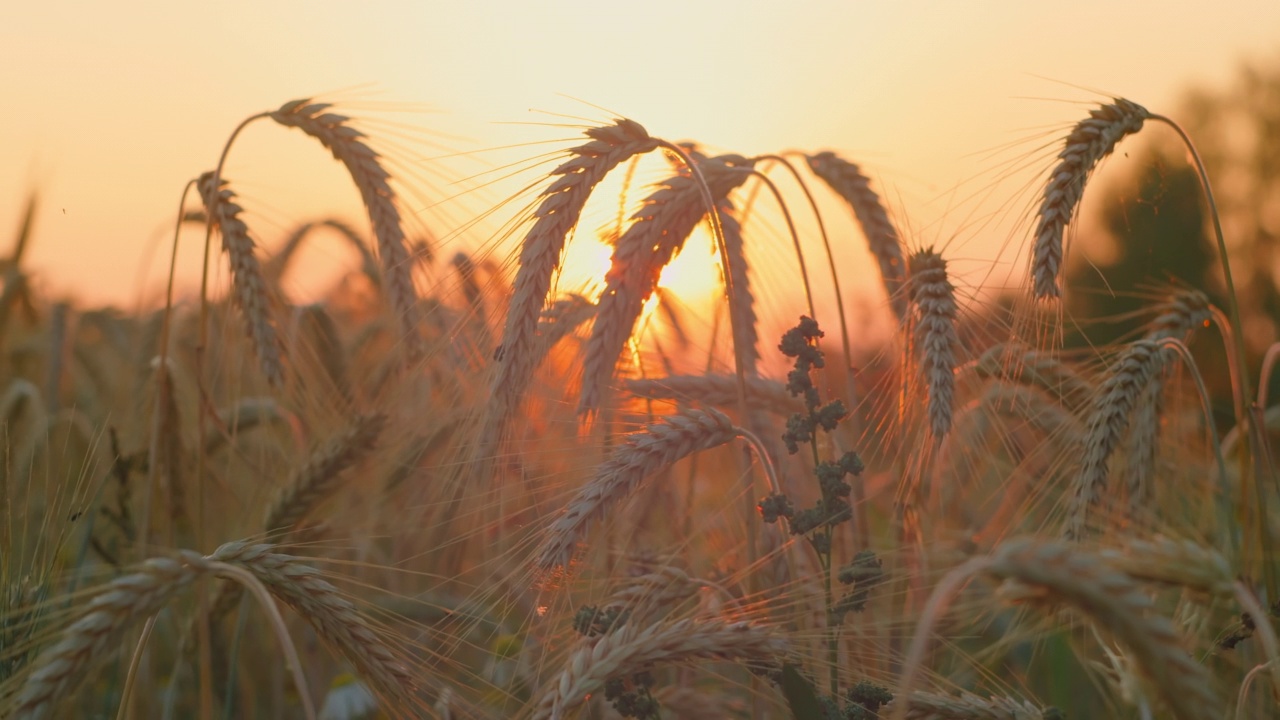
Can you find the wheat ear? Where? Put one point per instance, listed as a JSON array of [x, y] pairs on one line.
[[1091, 140], [966, 706], [631, 648], [1113, 407], [718, 391], [1038, 369], [59, 669], [1061, 572], [373, 181], [746, 335], [641, 454], [246, 276], [848, 181], [307, 487], [555, 216], [1180, 314], [935, 337], [276, 265], [660, 229]]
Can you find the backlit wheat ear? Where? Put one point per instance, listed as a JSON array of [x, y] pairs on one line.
[[718, 391], [558, 321], [1181, 313], [275, 266], [99, 630], [59, 670], [307, 487], [373, 181], [1090, 141], [641, 454], [331, 615], [965, 706], [746, 335], [1113, 406], [847, 180], [662, 225], [1056, 573], [246, 277], [935, 337], [540, 252], [316, 480], [1038, 369], [632, 648]]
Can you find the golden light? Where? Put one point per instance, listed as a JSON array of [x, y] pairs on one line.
[[693, 275]]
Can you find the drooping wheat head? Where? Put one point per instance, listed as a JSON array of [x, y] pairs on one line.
[[1090, 141]]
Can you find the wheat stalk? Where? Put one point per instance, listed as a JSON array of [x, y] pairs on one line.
[[631, 648], [1112, 409], [935, 337], [1091, 140], [641, 454], [666, 219], [373, 181], [246, 276], [848, 181], [555, 216]]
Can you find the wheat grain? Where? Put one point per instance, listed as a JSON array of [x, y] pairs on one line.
[[631, 648], [936, 342], [1090, 141], [246, 277], [640, 455], [848, 181], [373, 181], [1138, 366], [660, 229]]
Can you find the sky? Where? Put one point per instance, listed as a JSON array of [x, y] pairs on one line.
[[951, 106]]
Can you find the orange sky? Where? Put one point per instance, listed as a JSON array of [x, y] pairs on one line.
[[113, 106]]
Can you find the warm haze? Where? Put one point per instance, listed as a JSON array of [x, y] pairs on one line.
[[112, 110]]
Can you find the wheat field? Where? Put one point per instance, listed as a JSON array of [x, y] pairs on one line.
[[458, 488]]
